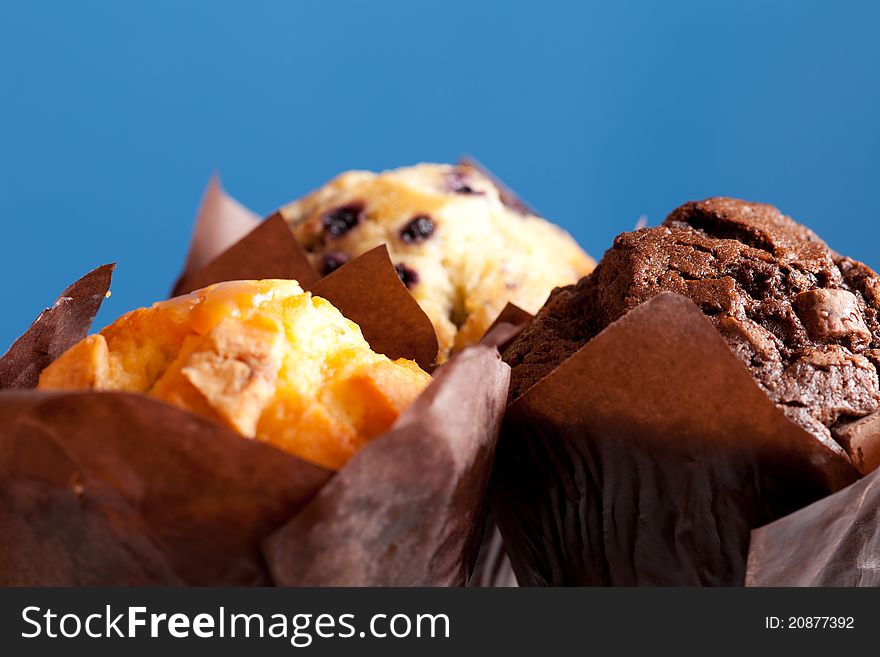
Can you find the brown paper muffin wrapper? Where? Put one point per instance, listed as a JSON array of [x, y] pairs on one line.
[[493, 567], [220, 222], [648, 456], [57, 329], [103, 488], [406, 510], [121, 489], [833, 542], [269, 250]]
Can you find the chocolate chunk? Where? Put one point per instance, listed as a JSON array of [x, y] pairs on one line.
[[419, 228], [340, 220], [408, 276], [828, 381], [861, 440], [832, 315], [333, 260]]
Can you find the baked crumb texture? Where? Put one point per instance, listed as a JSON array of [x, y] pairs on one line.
[[803, 318], [263, 357], [462, 246]]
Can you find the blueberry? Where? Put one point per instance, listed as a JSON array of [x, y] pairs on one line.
[[339, 221], [419, 228], [332, 261], [408, 277]]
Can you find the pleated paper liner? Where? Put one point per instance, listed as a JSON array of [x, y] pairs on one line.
[[493, 568], [117, 488], [269, 250], [405, 510], [511, 321], [221, 221], [833, 542], [121, 489], [58, 328], [368, 291], [648, 456]]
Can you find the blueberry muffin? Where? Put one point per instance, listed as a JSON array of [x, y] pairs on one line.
[[462, 244], [803, 319], [262, 357]]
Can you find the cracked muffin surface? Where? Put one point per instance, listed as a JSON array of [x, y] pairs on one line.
[[803, 318], [461, 244], [264, 357]]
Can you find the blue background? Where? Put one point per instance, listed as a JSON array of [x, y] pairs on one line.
[[114, 115]]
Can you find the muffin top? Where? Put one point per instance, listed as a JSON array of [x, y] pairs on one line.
[[801, 317], [462, 245], [262, 357]]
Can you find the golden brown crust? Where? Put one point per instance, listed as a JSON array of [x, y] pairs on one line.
[[262, 357]]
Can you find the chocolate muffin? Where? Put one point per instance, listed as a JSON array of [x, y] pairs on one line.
[[802, 318]]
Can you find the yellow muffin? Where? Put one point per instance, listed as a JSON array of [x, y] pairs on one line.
[[459, 243], [263, 357]]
